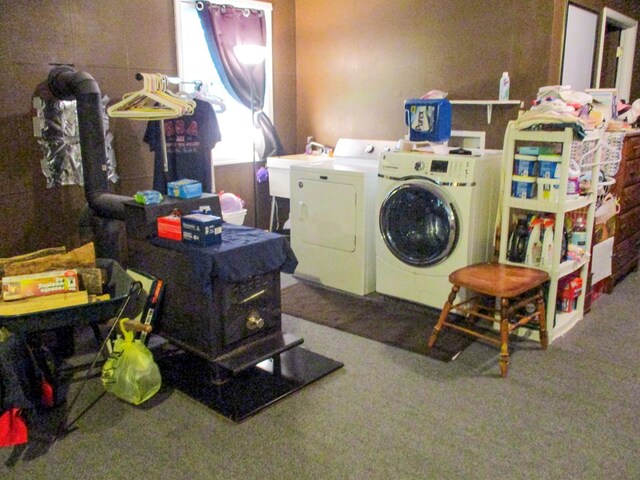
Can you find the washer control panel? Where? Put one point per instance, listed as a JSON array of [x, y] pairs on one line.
[[442, 168]]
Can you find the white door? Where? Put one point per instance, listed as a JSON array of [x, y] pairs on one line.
[[325, 214]]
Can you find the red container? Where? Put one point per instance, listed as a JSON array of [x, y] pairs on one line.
[[170, 227]]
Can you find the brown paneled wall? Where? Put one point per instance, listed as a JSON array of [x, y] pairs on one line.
[[341, 69], [358, 61], [112, 40]]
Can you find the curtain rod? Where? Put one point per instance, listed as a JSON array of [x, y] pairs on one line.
[[255, 4], [174, 80]]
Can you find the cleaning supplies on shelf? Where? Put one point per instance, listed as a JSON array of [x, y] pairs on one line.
[[573, 185], [518, 241], [534, 245], [546, 258], [569, 290], [579, 233], [566, 239]]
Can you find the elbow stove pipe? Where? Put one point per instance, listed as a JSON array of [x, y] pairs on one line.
[[65, 83]]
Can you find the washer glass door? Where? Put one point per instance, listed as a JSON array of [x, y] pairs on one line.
[[419, 223]]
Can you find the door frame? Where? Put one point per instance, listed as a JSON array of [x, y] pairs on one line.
[[628, 35]]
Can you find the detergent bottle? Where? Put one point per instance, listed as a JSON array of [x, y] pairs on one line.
[[546, 258], [573, 184], [534, 245]]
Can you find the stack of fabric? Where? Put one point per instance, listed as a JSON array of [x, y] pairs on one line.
[[557, 107]]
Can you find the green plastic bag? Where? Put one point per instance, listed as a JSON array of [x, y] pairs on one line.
[[130, 373]]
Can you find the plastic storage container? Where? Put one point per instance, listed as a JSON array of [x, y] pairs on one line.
[[549, 166], [523, 187], [237, 218], [525, 165]]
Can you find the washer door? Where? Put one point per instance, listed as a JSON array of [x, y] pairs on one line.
[[419, 223]]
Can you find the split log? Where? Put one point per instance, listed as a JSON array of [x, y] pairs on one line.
[[45, 252], [84, 256], [92, 280]]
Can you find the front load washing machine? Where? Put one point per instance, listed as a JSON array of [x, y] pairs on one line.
[[436, 213], [333, 216]]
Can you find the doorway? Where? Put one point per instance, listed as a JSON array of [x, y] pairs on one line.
[[617, 49]]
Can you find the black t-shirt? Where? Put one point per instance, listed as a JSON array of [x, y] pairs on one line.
[[190, 139]]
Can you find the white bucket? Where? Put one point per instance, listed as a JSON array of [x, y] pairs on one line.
[[236, 218]]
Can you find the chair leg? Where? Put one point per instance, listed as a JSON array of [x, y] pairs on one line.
[[504, 337], [443, 315], [542, 320]]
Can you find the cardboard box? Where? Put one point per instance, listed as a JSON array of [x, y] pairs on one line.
[[170, 227], [39, 284], [201, 229], [184, 188]]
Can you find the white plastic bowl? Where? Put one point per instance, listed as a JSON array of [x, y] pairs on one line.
[[236, 218]]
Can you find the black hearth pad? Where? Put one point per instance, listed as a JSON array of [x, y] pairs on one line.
[[250, 391]]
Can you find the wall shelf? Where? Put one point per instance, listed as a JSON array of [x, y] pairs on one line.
[[488, 103]]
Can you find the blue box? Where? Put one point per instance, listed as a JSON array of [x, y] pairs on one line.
[[184, 188], [429, 120], [201, 229]]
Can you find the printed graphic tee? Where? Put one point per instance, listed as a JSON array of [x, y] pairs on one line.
[[190, 139]]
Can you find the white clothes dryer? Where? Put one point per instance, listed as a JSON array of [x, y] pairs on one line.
[[436, 213], [333, 216]]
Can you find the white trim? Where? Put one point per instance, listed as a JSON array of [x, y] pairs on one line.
[[627, 43]]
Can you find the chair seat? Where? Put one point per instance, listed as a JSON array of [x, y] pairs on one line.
[[507, 283], [498, 280]]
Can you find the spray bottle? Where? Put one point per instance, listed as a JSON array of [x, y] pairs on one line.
[[546, 258], [534, 245]]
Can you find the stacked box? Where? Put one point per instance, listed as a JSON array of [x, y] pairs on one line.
[[170, 227], [39, 284], [184, 188], [201, 229]]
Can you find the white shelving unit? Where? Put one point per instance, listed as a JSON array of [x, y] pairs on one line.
[[558, 323], [486, 103]]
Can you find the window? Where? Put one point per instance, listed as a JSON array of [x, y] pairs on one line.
[[194, 63]]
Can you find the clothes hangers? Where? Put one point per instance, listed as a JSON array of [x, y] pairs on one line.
[[153, 102], [202, 92]]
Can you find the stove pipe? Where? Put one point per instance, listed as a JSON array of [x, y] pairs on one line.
[[65, 83]]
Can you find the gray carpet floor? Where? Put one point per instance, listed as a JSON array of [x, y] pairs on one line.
[[571, 412]]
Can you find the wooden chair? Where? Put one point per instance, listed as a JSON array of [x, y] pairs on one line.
[[516, 287]]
